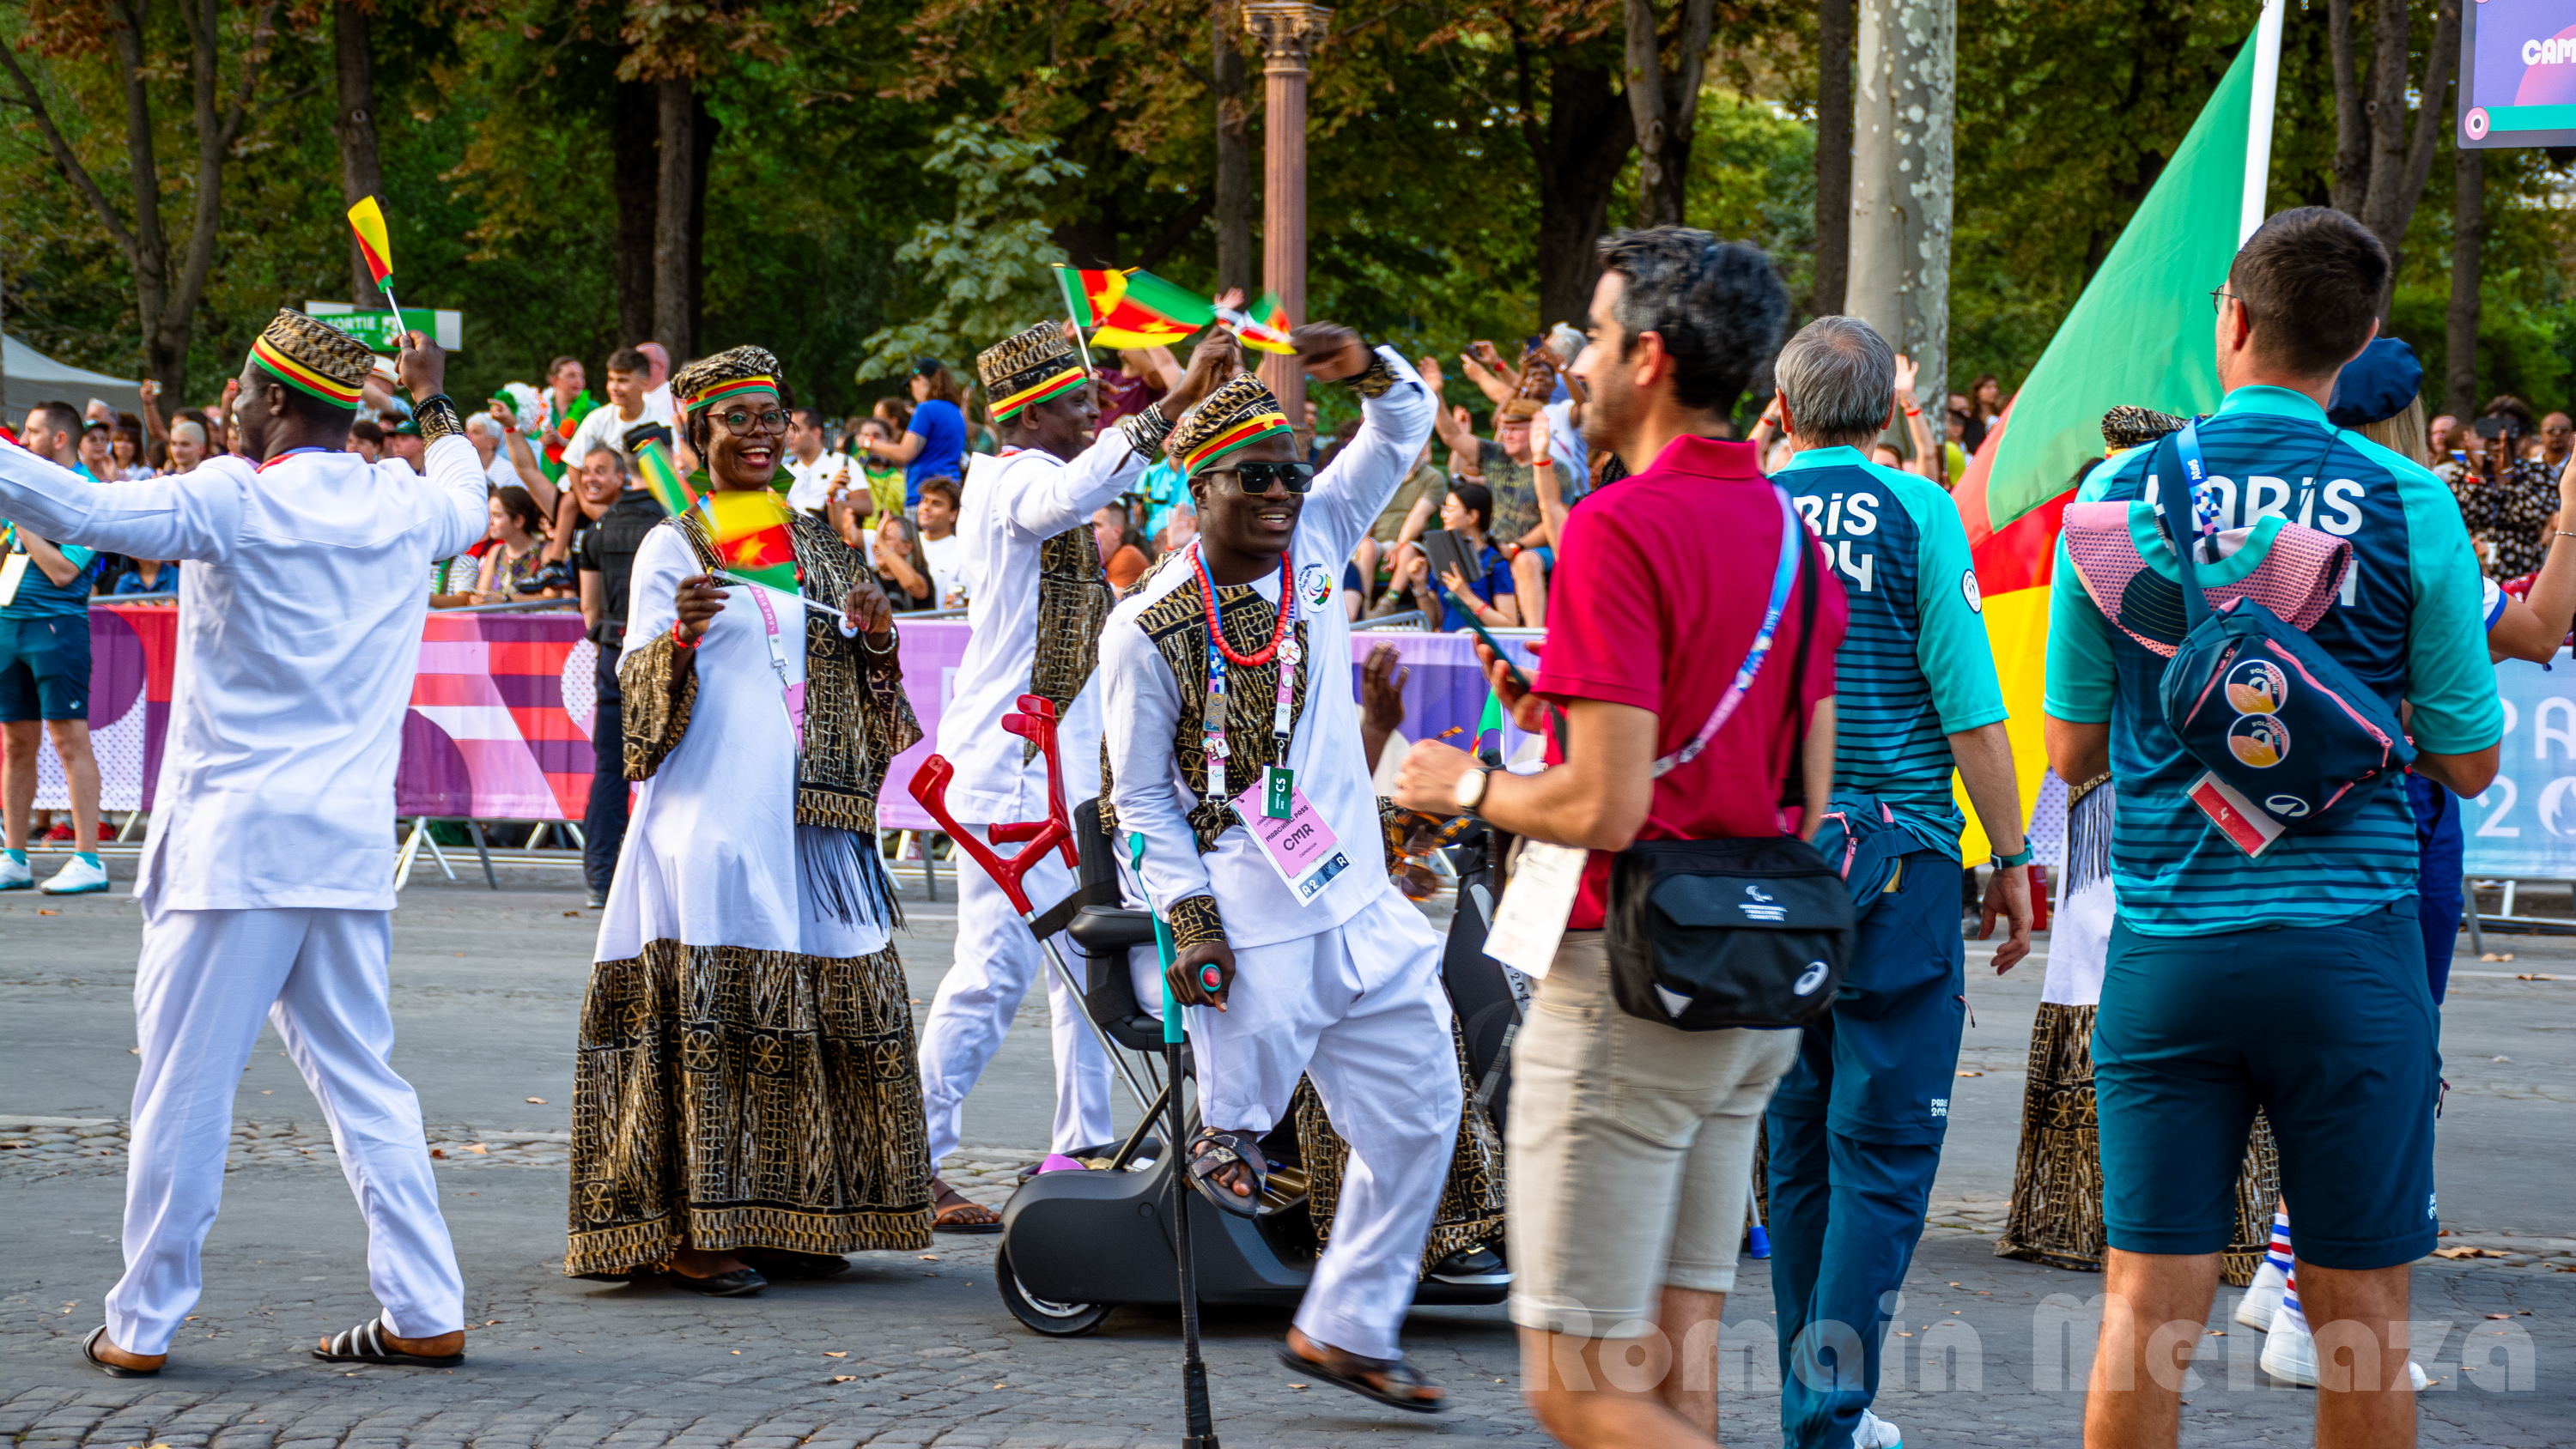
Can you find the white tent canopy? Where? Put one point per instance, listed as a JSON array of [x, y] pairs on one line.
[[29, 377]]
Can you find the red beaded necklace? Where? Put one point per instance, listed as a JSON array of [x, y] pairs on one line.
[[1216, 630]]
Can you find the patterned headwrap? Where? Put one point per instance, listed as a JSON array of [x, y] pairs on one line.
[[735, 370], [1538, 384], [313, 359], [1030, 367], [1239, 413]]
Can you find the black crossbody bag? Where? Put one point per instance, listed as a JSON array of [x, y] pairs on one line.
[[1743, 931]]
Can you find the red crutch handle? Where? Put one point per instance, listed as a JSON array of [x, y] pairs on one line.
[[930, 789], [1036, 722]]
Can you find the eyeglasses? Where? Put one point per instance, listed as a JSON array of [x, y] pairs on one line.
[[2219, 297], [743, 421], [1256, 478]]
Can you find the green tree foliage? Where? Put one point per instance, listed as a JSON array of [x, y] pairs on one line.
[[990, 265]]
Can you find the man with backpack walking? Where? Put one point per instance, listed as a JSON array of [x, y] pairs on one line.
[[2226, 904]]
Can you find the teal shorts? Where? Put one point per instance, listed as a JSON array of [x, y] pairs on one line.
[[2330, 1030]]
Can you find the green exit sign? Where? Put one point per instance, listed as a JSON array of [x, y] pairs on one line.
[[375, 326]]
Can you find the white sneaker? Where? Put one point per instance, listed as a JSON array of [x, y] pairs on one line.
[[2263, 1299], [2290, 1351], [78, 878], [16, 875], [1874, 1432]]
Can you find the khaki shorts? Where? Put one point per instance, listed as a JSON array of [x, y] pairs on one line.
[[1631, 1152]]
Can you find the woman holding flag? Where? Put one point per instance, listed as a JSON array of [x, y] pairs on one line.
[[748, 1104]]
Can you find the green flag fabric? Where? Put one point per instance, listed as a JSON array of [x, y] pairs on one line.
[[2143, 332]]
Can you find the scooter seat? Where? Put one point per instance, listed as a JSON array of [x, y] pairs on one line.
[[1102, 929]]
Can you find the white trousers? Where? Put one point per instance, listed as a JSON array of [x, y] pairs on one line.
[[205, 981], [997, 961], [1383, 1062]]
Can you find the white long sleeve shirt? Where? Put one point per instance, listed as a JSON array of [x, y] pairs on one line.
[[299, 633], [1142, 704], [1013, 504]]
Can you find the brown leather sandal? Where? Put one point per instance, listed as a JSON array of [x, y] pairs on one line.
[[957, 1213]]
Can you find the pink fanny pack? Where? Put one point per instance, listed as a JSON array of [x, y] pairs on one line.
[[2295, 576]]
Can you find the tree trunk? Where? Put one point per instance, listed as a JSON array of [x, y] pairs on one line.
[[2381, 164], [2468, 246], [1663, 104], [704, 132], [674, 192], [1901, 177], [635, 134], [1234, 261], [1834, 26], [361, 174], [1589, 130], [2350, 177]]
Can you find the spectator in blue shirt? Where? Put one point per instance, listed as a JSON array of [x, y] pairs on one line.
[[2290, 981], [44, 674], [934, 441]]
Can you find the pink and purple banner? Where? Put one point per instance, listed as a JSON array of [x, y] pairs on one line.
[[500, 721]]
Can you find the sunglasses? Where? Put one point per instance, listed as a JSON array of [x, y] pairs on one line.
[[1256, 478], [743, 421]]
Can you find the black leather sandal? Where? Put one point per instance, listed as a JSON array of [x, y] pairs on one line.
[[788, 1265], [740, 1283], [1212, 1152], [366, 1344], [89, 1350], [1399, 1376]]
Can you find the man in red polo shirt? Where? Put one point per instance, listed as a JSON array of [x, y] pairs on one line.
[[1631, 1142]]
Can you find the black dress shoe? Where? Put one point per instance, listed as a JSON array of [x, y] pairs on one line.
[[740, 1283], [786, 1264]]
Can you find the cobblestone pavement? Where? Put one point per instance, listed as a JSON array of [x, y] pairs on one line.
[[915, 1349]]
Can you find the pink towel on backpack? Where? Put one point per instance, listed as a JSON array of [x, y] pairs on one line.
[[2300, 570]]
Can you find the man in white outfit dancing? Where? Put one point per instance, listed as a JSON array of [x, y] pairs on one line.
[[268, 874], [1040, 600]]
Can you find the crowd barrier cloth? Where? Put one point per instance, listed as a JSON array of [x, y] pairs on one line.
[[499, 726]]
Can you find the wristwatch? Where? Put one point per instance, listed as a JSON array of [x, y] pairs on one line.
[[1469, 792], [2018, 857]]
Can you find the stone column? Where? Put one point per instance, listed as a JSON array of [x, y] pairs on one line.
[[1289, 31]]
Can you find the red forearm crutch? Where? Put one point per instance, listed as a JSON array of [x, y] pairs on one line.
[[1036, 722]]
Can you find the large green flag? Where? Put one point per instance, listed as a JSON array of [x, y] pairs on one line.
[[2143, 332]]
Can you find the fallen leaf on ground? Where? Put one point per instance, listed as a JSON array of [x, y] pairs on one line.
[[1300, 1386], [2499, 1315], [930, 1257], [537, 1101], [438, 1152], [2533, 976], [1972, 1074], [2463, 1250], [478, 1149], [2497, 956], [829, 1354], [42, 912], [843, 1378]]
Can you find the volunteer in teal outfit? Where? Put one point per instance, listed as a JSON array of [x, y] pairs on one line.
[[44, 671], [1856, 1126]]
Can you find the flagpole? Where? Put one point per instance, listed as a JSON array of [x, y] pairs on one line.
[[2258, 119], [1071, 320]]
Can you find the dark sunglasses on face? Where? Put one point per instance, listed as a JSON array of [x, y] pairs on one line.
[[742, 421], [1256, 478]]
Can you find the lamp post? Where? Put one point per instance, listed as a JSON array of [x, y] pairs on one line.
[[1289, 31]]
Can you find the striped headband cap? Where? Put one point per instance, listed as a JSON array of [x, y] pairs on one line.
[[1027, 368], [734, 370], [1239, 413], [312, 358]]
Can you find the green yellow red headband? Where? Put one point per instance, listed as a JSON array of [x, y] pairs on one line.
[[1047, 391], [1242, 435], [301, 377], [728, 388]]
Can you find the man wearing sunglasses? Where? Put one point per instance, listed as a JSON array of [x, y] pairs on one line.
[[1263, 850], [1039, 600]]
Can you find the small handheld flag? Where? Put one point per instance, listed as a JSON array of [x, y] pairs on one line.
[[750, 533], [367, 219], [1264, 328], [662, 479], [1131, 308]]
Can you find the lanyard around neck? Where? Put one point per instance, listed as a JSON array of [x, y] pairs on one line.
[[1283, 647], [792, 695]]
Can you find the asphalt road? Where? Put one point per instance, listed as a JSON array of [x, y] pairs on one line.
[[486, 989]]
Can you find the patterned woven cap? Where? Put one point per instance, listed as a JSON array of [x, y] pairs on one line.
[[1538, 384], [312, 358], [734, 370], [2128, 427], [1028, 367], [1239, 413]]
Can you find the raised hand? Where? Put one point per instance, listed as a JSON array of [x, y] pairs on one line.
[[1217, 357], [421, 366], [1329, 351], [866, 607]]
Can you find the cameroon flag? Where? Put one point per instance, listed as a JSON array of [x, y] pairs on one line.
[[750, 533], [1131, 308], [367, 219], [662, 479]]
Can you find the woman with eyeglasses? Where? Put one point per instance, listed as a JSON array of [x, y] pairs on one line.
[[748, 1102], [2507, 500]]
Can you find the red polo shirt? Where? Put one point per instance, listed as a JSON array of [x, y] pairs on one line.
[[1659, 588]]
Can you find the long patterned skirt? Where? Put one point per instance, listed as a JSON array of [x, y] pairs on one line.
[[1471, 1199], [733, 1098], [2056, 1211]]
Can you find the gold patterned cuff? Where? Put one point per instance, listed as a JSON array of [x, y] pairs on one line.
[[1146, 430], [1373, 380], [1195, 922], [436, 414]]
